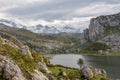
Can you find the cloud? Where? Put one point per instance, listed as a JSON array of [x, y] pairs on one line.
[[98, 9], [75, 13]]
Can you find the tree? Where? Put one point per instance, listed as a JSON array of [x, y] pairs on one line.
[[80, 62]]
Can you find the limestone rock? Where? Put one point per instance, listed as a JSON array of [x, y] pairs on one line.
[[99, 71], [97, 25], [43, 67], [51, 77], [113, 41], [11, 71], [38, 76], [25, 50], [5, 41], [86, 35], [87, 72]]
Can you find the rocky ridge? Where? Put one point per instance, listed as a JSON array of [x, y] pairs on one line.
[[106, 30]]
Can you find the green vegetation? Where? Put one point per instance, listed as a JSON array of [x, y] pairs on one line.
[[66, 43], [96, 47], [111, 54], [71, 73], [112, 30], [80, 62], [24, 61], [100, 77]]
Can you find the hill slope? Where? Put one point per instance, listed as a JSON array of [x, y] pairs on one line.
[[57, 43]]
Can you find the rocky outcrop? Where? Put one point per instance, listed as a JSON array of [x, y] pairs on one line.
[[25, 50], [90, 72], [113, 41], [43, 67], [97, 25], [87, 72], [86, 35], [99, 71], [38, 76], [10, 70], [104, 29]]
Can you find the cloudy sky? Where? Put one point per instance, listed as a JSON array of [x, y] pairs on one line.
[[76, 13]]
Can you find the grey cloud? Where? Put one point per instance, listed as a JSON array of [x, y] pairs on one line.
[[54, 9]]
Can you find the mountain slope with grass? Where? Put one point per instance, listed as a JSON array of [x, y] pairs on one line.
[[19, 62], [56, 43]]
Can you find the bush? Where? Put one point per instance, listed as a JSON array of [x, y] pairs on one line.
[[97, 46]]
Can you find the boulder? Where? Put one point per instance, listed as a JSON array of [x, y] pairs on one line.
[[25, 50], [37, 75], [10, 70], [87, 72], [99, 71], [43, 67]]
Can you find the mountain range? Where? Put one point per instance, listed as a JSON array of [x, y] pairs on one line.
[[40, 28]]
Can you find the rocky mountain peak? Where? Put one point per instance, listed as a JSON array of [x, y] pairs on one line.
[[40, 28], [97, 25], [106, 30]]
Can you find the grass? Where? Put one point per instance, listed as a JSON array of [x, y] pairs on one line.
[[100, 77], [93, 53], [24, 61], [71, 73], [112, 30]]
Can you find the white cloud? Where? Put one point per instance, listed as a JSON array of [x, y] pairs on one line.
[[59, 13], [2, 15], [7, 4], [98, 9]]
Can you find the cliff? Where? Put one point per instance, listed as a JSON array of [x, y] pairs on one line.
[[106, 30], [98, 25]]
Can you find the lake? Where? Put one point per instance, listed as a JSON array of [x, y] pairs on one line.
[[110, 63]]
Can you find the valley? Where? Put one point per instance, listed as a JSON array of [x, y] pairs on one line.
[[25, 48]]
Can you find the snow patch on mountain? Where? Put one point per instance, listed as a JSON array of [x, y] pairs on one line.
[[40, 28]]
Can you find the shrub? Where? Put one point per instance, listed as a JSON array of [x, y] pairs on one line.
[[97, 46]]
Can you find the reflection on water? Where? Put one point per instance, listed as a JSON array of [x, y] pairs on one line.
[[110, 64]]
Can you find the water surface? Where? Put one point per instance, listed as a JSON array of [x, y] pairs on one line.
[[110, 63]]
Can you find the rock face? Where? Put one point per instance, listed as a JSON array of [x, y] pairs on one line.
[[97, 25], [10, 70], [104, 29], [86, 35], [113, 41]]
